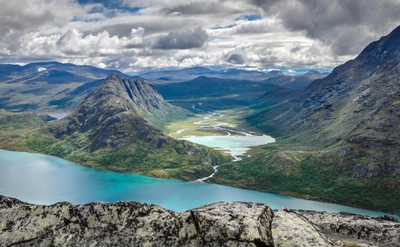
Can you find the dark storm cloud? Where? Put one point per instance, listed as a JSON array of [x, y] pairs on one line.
[[182, 40], [345, 25], [236, 59]]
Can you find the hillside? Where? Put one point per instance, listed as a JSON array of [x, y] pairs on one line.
[[338, 141], [117, 127], [214, 93], [296, 82], [48, 87]]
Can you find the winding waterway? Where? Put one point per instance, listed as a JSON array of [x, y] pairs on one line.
[[235, 142], [43, 179]]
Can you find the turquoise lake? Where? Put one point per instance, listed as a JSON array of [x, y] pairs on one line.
[[43, 179]]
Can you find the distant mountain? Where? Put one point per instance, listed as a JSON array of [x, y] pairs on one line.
[[313, 73], [296, 81], [117, 127], [339, 140], [49, 86], [57, 87], [216, 93], [211, 87], [182, 75]]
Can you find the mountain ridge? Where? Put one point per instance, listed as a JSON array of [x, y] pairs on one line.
[[220, 223], [338, 140]]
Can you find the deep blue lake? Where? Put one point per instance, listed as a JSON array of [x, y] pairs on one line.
[[43, 179]]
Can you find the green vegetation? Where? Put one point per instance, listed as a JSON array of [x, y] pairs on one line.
[[201, 124], [116, 128], [170, 160], [310, 175]]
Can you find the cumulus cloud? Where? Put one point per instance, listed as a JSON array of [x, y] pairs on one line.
[[74, 42], [182, 40], [131, 35], [347, 26], [23, 15]]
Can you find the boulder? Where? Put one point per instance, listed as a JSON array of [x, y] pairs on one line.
[[292, 229]]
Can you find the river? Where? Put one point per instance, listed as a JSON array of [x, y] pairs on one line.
[[44, 179]]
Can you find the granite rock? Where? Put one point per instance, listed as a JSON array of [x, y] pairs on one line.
[[133, 224], [292, 229], [355, 229], [239, 224]]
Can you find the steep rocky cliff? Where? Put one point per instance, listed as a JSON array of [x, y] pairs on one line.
[[218, 224]]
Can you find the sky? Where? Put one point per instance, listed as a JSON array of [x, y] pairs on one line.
[[138, 35]]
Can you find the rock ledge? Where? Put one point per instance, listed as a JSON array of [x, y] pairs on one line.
[[218, 224]]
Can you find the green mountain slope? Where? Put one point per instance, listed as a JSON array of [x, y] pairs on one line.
[[339, 140], [115, 128]]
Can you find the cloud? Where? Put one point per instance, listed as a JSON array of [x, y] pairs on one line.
[[193, 8], [74, 43], [236, 59], [182, 40], [22, 15], [295, 49], [131, 35], [258, 27], [347, 26]]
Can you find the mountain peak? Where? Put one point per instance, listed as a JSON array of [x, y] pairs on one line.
[[275, 73], [118, 127], [382, 50], [134, 94], [311, 73]]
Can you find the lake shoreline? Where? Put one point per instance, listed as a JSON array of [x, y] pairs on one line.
[[175, 182]]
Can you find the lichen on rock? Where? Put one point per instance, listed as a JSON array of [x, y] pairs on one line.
[[133, 224]]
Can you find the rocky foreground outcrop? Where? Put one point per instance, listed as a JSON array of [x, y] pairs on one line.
[[218, 224]]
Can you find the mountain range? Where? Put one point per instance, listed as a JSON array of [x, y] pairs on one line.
[[56, 87], [271, 77], [338, 140], [48, 86], [118, 127], [215, 93]]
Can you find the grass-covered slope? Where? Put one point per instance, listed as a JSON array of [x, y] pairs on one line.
[[339, 140], [110, 130]]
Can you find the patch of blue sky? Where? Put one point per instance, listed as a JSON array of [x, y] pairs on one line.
[[116, 5], [252, 17], [303, 71], [224, 27]]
